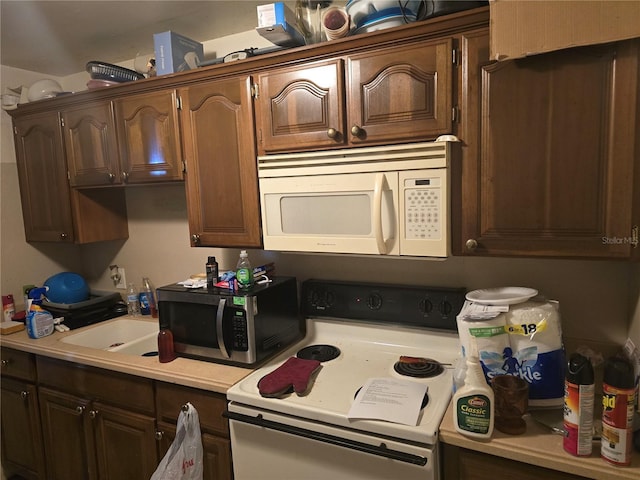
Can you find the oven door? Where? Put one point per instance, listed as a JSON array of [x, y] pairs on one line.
[[347, 213], [269, 445]]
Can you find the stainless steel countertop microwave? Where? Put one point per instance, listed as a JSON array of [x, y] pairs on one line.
[[234, 327]]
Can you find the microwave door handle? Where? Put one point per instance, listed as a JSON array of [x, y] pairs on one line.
[[219, 331], [380, 186]]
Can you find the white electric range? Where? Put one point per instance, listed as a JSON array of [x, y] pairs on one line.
[[358, 332]]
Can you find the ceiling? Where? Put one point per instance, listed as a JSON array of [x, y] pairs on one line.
[[58, 38]]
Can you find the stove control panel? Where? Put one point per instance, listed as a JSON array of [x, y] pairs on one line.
[[428, 307]]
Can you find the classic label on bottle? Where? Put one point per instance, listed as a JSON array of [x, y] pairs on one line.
[[243, 275], [474, 413]]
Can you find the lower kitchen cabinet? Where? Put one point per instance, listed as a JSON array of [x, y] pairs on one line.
[[463, 464], [21, 434], [96, 424], [214, 427]]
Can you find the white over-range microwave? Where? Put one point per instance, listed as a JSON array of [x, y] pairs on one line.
[[387, 200]]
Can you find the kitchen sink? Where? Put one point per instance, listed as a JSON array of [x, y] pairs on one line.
[[122, 335]]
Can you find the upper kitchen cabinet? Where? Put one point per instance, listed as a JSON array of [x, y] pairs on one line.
[[149, 137], [52, 211], [90, 144], [393, 94], [551, 146], [220, 155]]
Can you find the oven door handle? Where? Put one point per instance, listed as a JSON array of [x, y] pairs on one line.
[[381, 450], [219, 330]]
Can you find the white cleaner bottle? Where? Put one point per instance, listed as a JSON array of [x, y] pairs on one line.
[[473, 403]]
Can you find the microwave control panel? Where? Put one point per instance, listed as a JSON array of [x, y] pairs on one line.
[[422, 208], [240, 335]]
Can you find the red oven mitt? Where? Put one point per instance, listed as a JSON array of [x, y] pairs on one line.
[[295, 372]]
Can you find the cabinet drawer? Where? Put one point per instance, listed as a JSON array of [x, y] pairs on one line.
[[119, 389], [18, 364], [210, 406]]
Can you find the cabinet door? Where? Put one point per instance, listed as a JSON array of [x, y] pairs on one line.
[[90, 144], [401, 93], [554, 171], [302, 107], [149, 137], [42, 173], [219, 148], [216, 452], [125, 443], [68, 439], [22, 449]]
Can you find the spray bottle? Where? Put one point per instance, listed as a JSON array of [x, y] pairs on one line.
[[473, 403], [578, 406], [39, 322]]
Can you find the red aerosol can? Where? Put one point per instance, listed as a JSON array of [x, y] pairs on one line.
[[578, 406], [617, 411]]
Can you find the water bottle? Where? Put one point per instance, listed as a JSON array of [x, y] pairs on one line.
[[244, 272], [133, 301], [148, 304]]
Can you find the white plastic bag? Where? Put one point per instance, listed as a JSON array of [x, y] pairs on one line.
[[183, 460]]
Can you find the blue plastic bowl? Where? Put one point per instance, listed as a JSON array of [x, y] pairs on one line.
[[67, 287]]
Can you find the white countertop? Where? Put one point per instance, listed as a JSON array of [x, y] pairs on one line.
[[538, 446], [209, 376]]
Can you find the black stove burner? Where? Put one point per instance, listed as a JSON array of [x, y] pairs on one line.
[[322, 353], [418, 367], [425, 399]]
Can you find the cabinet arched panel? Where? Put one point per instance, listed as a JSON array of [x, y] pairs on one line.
[[401, 93], [91, 148], [221, 180], [301, 108], [149, 138]]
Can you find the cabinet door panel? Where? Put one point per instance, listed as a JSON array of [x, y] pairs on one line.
[[556, 159], [222, 180], [125, 443], [68, 440], [401, 93], [91, 147], [216, 452], [149, 137], [42, 173], [21, 435], [300, 108]]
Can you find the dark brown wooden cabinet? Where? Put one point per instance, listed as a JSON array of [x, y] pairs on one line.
[[104, 420], [463, 464], [20, 431], [52, 211], [90, 144], [394, 94], [219, 151], [149, 137], [551, 147], [213, 426]]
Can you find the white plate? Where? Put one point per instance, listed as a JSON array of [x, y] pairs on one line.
[[502, 295]]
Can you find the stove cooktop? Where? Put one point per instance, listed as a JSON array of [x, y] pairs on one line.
[[369, 346]]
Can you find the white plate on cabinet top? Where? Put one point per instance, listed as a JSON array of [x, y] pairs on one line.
[[501, 295]]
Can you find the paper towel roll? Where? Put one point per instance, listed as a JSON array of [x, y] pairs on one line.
[[491, 339], [535, 324], [536, 340]]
